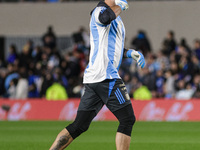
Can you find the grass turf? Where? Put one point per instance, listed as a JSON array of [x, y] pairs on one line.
[[39, 135]]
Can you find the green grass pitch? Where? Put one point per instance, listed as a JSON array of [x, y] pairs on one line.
[[39, 135]]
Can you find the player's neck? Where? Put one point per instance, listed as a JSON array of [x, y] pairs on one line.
[[110, 2]]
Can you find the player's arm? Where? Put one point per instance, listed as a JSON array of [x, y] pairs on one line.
[[136, 55], [120, 6], [107, 15]]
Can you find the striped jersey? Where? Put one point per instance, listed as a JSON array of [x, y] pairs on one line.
[[106, 47]]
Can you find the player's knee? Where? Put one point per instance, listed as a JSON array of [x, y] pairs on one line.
[[84, 127], [76, 129], [81, 123], [126, 125], [132, 120], [128, 120]]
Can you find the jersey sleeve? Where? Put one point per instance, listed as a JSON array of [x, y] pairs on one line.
[[104, 16]]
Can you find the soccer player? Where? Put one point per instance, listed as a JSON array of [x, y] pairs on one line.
[[103, 85]]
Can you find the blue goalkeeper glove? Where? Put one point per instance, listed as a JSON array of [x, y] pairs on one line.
[[122, 3], [137, 56]]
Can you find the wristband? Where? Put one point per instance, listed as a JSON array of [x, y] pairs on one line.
[[128, 53]]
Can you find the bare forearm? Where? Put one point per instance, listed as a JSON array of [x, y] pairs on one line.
[[116, 9]]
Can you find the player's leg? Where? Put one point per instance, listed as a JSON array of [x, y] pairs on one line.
[[62, 140], [80, 125], [120, 105], [89, 106], [126, 119], [122, 141]]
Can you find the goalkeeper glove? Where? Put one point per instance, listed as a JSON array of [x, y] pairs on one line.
[[122, 3], [137, 56]]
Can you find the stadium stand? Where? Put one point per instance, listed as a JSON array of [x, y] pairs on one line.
[[173, 72]]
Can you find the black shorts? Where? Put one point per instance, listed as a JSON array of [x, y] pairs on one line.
[[112, 93]]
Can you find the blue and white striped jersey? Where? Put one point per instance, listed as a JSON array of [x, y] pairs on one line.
[[107, 47]]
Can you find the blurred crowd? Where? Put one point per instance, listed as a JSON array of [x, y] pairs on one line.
[[41, 71], [172, 72]]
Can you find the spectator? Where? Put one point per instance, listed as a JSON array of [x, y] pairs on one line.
[[44, 60], [196, 86], [185, 93], [12, 56], [34, 83], [49, 38], [36, 54], [169, 43], [186, 68], [175, 69], [169, 88], [81, 37], [25, 57], [149, 80], [142, 93], [127, 82], [73, 66], [196, 49], [196, 64], [159, 84], [47, 82], [197, 93], [181, 51], [141, 42], [180, 84], [184, 43], [86, 38], [11, 92], [135, 84], [56, 92], [152, 64], [53, 61], [59, 77], [162, 62], [11, 74], [22, 85]]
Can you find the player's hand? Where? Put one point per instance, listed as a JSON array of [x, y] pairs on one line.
[[122, 3], [138, 56]]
